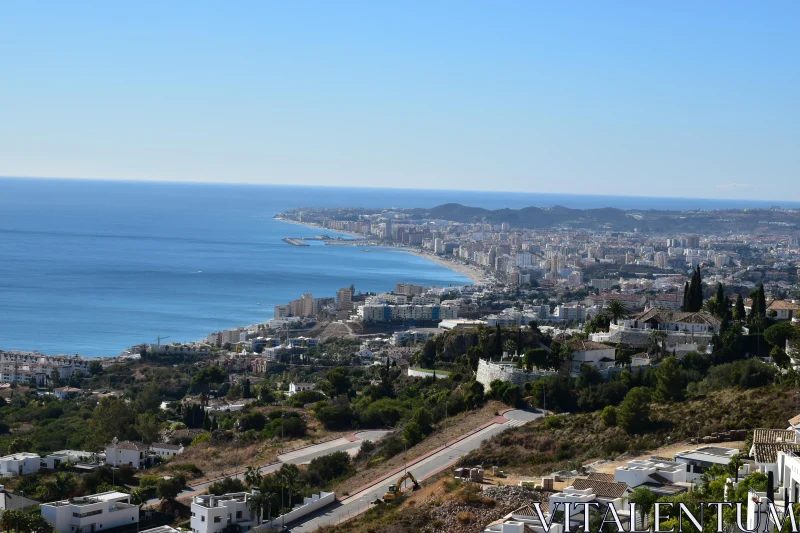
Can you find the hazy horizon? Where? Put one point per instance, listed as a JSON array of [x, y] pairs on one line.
[[520, 196]]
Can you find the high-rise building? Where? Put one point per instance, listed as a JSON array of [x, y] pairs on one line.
[[308, 305], [344, 299], [693, 242]]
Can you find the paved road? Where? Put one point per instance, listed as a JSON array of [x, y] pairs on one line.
[[423, 469], [297, 457]]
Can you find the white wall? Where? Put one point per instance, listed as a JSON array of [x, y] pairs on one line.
[[314, 503]]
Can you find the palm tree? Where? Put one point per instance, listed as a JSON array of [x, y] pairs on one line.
[[65, 484], [256, 503], [268, 496], [252, 476], [644, 498], [656, 343], [617, 310], [289, 475]]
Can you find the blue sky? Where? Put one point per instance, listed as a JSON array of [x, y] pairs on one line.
[[629, 98]]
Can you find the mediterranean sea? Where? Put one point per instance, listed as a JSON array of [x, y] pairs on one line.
[[93, 267]]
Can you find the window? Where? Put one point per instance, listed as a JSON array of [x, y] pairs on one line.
[[217, 519], [202, 518], [238, 514], [193, 513]]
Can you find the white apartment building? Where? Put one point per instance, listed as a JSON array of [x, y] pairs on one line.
[[211, 514], [570, 312], [524, 259], [89, 514], [386, 313], [602, 284]]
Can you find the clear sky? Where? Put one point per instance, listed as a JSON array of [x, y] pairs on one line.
[[629, 98]]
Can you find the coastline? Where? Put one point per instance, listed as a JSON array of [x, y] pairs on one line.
[[477, 276]]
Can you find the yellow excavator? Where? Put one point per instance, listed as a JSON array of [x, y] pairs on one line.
[[397, 489]]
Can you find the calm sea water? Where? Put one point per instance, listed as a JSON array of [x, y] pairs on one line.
[[93, 267]]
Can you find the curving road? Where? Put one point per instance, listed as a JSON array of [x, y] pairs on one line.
[[422, 469]]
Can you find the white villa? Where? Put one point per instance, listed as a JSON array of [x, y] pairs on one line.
[[600, 356], [294, 388], [88, 514], [211, 514], [684, 331]]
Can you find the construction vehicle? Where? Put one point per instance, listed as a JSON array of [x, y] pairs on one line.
[[397, 489]]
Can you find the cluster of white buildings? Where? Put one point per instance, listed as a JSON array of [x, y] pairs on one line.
[[34, 367], [24, 463], [138, 454]]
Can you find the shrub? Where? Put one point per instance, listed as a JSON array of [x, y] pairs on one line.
[[615, 447], [554, 422], [225, 486], [465, 517], [609, 416], [200, 439]]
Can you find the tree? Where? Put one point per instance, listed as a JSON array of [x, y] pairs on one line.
[[422, 417], [498, 342], [694, 294], [633, 414], [112, 418], [778, 334], [617, 310], [148, 427], [656, 343], [138, 496], [38, 524], [671, 383], [289, 475], [169, 489], [13, 520], [599, 322], [246, 392], [609, 416], [95, 368], [339, 380], [644, 499], [686, 304], [761, 302], [720, 302], [252, 476], [779, 357], [738, 309], [202, 381], [257, 503]]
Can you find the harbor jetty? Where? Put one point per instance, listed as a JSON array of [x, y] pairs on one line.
[[295, 242]]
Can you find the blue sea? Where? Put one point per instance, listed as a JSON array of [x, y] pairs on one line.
[[93, 267]]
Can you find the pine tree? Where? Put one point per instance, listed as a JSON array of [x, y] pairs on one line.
[[762, 301], [725, 324], [685, 306], [719, 301], [738, 309], [498, 342], [696, 292]]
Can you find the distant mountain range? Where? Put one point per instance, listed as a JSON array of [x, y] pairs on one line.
[[723, 221]]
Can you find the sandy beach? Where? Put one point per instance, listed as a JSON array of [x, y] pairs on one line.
[[476, 275]]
